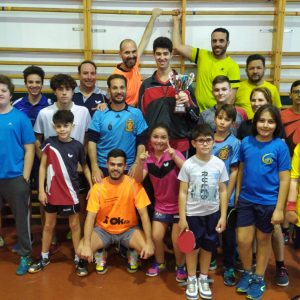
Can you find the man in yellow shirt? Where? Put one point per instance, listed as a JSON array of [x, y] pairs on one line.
[[112, 205], [255, 69], [210, 64]]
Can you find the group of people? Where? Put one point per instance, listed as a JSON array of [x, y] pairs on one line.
[[199, 156]]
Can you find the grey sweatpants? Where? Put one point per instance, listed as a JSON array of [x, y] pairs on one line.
[[16, 191]]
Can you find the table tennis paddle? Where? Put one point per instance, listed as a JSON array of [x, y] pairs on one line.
[[186, 241]]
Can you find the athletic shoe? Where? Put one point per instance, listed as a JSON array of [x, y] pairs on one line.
[[229, 277], [257, 288], [155, 269], [281, 276], [181, 274], [133, 261], [2, 243], [81, 268], [39, 265], [244, 282], [204, 289], [23, 267], [213, 265], [191, 291], [100, 260], [69, 235]]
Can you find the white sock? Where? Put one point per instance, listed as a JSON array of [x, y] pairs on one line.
[[191, 278], [203, 276], [45, 255], [76, 258]]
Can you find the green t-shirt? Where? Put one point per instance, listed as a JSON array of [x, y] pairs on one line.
[[208, 67]]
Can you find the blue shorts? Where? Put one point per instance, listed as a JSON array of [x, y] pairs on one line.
[[249, 213], [165, 218], [204, 229], [110, 239], [62, 210]]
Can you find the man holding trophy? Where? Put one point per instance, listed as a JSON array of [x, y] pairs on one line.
[[167, 97]]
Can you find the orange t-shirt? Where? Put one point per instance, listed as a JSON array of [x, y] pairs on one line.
[[115, 204], [134, 80]]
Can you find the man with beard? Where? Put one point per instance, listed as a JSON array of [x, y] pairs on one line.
[[130, 54], [255, 69], [209, 63], [87, 94], [113, 205], [118, 126]]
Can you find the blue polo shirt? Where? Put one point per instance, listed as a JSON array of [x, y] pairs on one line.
[[15, 132], [30, 110], [117, 129]]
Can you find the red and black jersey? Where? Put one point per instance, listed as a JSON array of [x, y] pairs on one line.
[[62, 176]]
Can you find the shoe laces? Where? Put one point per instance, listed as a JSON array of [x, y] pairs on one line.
[[205, 283], [282, 271], [24, 261], [256, 282], [191, 285], [100, 258], [133, 257], [180, 270], [229, 273]]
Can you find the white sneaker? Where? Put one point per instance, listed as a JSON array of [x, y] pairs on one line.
[[191, 291], [204, 289]]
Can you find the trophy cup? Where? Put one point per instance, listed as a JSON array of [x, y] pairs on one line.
[[180, 83]]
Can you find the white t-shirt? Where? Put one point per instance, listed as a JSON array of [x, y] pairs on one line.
[[203, 178], [44, 125]]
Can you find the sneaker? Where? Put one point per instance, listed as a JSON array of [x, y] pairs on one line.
[[100, 260], [23, 267], [229, 277], [244, 282], [281, 276], [213, 265], [155, 269], [257, 288], [39, 265], [204, 289], [2, 243], [191, 291], [181, 274], [133, 261], [69, 235], [81, 268]]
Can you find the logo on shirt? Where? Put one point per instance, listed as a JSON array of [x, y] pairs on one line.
[[224, 152], [70, 155], [98, 101], [166, 164], [267, 159], [10, 124], [129, 125], [115, 221]]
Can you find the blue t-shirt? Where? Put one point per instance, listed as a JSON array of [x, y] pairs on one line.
[[30, 110], [262, 163], [15, 131], [117, 129], [228, 151]]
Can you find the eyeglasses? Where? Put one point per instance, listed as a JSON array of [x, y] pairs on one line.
[[208, 141], [296, 92]]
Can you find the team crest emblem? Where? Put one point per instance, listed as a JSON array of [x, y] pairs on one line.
[[224, 153], [129, 125], [267, 159]]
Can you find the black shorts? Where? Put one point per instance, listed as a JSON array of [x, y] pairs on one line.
[[62, 210], [204, 229]]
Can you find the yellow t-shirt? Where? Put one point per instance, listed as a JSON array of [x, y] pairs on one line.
[[134, 80], [242, 97], [208, 67], [116, 205], [295, 174]]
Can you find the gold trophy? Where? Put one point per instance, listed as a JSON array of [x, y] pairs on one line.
[[180, 83]]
